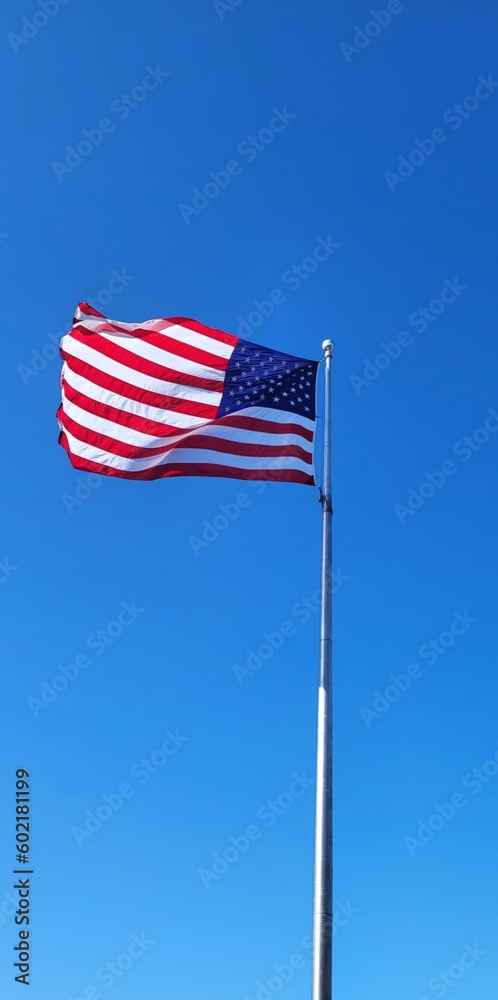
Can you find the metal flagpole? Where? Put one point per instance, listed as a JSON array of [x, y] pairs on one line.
[[322, 896]]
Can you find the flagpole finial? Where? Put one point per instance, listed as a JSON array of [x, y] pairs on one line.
[[328, 347]]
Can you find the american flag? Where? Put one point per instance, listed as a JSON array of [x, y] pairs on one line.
[[170, 397]]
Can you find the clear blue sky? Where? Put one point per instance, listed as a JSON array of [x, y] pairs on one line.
[[405, 571]]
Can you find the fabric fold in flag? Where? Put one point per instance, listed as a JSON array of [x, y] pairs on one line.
[[171, 397]]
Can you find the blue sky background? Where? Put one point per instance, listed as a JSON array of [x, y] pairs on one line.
[[172, 667]]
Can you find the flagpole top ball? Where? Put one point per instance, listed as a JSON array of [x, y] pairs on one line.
[[327, 346]]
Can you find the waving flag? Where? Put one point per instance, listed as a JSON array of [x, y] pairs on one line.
[[170, 397]]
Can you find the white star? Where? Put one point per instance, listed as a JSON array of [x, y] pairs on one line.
[[276, 399], [307, 409], [243, 349], [239, 402], [227, 409], [247, 397], [306, 396], [237, 364], [285, 394], [293, 390], [271, 390], [299, 399], [292, 403], [232, 392]]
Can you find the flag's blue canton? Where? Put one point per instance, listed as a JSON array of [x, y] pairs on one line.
[[257, 376]]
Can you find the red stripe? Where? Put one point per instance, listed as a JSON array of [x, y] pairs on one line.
[[192, 324], [152, 368], [207, 331], [185, 350], [135, 392], [106, 443], [84, 307], [265, 426], [189, 469]]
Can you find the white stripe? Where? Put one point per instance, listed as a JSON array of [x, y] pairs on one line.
[[116, 370], [139, 439], [181, 333], [107, 398], [275, 416], [184, 455]]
